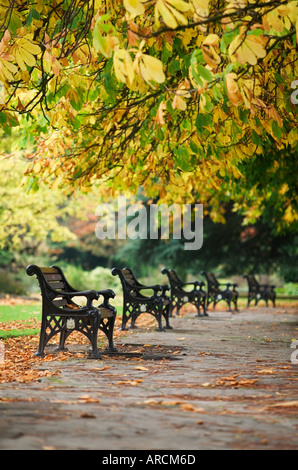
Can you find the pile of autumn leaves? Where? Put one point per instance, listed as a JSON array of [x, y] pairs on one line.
[[20, 365]]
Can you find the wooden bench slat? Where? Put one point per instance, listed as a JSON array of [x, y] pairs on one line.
[[48, 270], [57, 285], [60, 303], [53, 277]]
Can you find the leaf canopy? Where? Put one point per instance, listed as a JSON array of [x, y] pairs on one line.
[[182, 98]]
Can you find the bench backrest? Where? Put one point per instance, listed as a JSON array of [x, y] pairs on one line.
[[211, 280], [51, 279], [128, 281], [252, 282], [173, 278]]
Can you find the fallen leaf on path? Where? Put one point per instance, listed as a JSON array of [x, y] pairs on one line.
[[87, 399], [87, 415], [284, 404], [191, 407], [129, 382], [265, 371]]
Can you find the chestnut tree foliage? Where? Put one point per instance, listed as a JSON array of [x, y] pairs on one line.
[[190, 100]]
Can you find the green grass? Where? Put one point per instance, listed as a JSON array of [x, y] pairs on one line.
[[23, 314], [19, 313], [9, 313]]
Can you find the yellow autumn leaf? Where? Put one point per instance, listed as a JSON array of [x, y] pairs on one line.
[[169, 11], [201, 12], [271, 20], [233, 89], [179, 4], [179, 103], [150, 68], [203, 4], [134, 7], [123, 66], [7, 70], [247, 50], [210, 49], [159, 119], [24, 51], [180, 95]]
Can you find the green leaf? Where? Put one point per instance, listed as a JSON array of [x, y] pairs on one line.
[[15, 23], [174, 66], [243, 116], [216, 92], [33, 14], [256, 32], [255, 138], [182, 158], [203, 120], [193, 146], [3, 118], [276, 130], [204, 73]]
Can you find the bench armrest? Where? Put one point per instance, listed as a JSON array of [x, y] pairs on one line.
[[155, 287], [107, 293], [89, 294], [194, 283], [228, 284]]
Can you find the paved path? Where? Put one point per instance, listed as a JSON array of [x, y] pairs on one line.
[[222, 382]]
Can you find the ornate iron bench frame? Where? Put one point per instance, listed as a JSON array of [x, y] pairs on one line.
[[257, 291], [135, 303], [179, 296], [61, 315], [215, 294]]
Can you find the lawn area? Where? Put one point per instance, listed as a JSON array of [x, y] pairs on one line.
[[19, 320], [23, 320]]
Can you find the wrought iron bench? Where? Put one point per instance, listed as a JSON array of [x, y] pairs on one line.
[[215, 293], [135, 302], [180, 295], [60, 314], [258, 291]]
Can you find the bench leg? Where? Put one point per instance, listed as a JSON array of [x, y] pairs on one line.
[[166, 315], [63, 337], [95, 322], [107, 326], [158, 318], [42, 342], [204, 306], [43, 337], [201, 302], [125, 319]]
